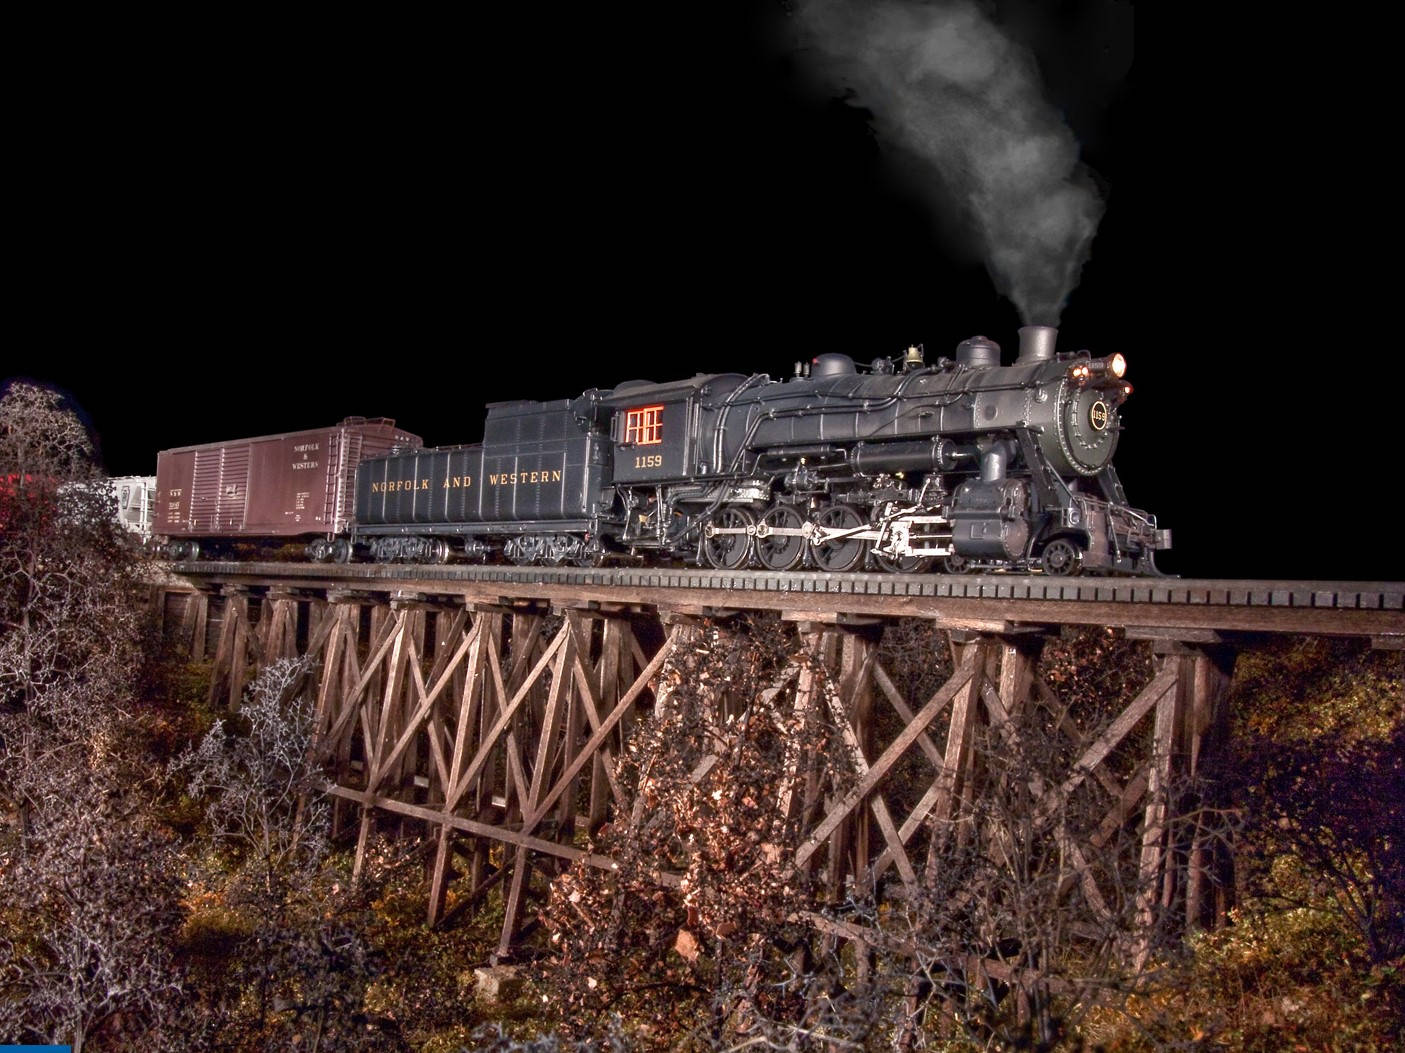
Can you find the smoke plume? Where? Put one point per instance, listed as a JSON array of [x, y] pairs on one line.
[[944, 84]]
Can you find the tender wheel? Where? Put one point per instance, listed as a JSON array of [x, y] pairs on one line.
[[439, 550], [1061, 558], [780, 551], [954, 564], [903, 564], [728, 551], [845, 553], [591, 554], [341, 550]]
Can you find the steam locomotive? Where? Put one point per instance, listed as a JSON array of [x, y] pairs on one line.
[[894, 465]]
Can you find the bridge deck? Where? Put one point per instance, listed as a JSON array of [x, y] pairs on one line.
[[982, 602]]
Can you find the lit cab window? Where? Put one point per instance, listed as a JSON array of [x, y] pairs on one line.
[[644, 426]]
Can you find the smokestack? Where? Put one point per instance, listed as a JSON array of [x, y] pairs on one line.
[[1036, 344]]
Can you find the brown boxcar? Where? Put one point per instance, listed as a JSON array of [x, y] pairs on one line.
[[274, 486]]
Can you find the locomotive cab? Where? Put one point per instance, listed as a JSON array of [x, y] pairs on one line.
[[655, 427]]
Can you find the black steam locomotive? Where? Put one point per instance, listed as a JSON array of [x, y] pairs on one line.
[[894, 465]]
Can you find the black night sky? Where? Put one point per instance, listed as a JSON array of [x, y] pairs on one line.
[[255, 225]]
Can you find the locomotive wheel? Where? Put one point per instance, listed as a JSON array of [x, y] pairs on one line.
[[903, 564], [844, 554], [954, 564], [780, 551], [1061, 558], [728, 551]]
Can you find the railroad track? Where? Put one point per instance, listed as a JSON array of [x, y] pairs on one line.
[[980, 602]]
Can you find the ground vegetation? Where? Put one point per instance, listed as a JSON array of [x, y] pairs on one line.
[[170, 876]]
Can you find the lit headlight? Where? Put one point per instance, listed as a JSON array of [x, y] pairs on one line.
[[1086, 369]]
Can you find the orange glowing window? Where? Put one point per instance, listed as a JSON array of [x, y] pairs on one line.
[[644, 426]]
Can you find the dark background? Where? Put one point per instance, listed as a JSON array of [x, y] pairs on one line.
[[243, 224]]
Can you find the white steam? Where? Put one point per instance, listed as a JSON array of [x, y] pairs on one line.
[[946, 85]]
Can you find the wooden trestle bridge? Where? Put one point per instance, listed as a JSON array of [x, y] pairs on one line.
[[488, 705]]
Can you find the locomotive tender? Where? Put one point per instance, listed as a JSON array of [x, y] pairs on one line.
[[898, 464]]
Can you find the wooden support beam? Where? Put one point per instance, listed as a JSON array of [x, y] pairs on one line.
[[194, 622], [1160, 769], [880, 768], [877, 805], [959, 736], [230, 670], [494, 832], [591, 747], [557, 700]]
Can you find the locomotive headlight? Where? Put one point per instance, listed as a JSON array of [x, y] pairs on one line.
[[1087, 368]]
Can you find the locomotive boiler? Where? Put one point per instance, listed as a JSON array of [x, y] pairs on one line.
[[893, 465]]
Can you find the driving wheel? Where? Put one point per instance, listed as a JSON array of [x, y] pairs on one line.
[[780, 551], [840, 554], [730, 550]]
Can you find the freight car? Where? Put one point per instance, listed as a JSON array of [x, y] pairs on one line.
[[268, 490], [896, 464], [135, 497]]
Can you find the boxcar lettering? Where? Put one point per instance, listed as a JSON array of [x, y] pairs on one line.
[[513, 478]]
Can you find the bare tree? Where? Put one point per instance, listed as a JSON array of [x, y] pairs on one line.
[[261, 789], [40, 438], [304, 958], [1011, 935], [98, 886], [91, 882], [69, 612]]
